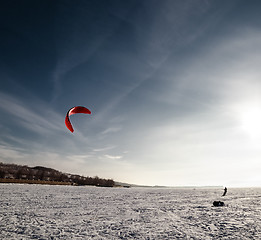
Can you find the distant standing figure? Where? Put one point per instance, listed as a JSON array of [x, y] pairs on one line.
[[225, 192]]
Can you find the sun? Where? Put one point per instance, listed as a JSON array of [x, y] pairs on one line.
[[250, 119]]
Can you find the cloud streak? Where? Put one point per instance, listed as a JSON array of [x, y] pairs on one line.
[[38, 119], [113, 157]]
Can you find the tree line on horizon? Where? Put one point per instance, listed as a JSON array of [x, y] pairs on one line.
[[14, 171]]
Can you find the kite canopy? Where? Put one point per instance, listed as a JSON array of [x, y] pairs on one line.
[[74, 110]]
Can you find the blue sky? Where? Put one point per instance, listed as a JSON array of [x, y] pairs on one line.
[[174, 88]]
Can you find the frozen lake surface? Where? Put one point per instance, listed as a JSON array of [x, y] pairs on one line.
[[69, 212]]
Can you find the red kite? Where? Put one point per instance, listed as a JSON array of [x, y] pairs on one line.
[[74, 110]]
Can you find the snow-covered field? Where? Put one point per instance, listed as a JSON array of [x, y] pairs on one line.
[[69, 212]]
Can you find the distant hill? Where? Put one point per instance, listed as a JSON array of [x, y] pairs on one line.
[[39, 174]]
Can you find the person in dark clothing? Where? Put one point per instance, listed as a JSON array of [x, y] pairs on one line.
[[225, 192]]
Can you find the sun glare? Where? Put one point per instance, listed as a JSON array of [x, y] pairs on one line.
[[250, 118]]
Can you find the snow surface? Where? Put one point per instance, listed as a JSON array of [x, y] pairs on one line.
[[70, 212]]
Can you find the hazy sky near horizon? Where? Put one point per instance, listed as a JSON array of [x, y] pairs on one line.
[[174, 88]]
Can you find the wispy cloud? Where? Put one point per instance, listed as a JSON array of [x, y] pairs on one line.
[[111, 130], [11, 154], [114, 157], [34, 116], [103, 149]]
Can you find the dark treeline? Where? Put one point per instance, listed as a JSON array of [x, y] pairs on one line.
[[14, 171]]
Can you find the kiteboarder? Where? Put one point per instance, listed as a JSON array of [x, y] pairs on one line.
[[225, 192]]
